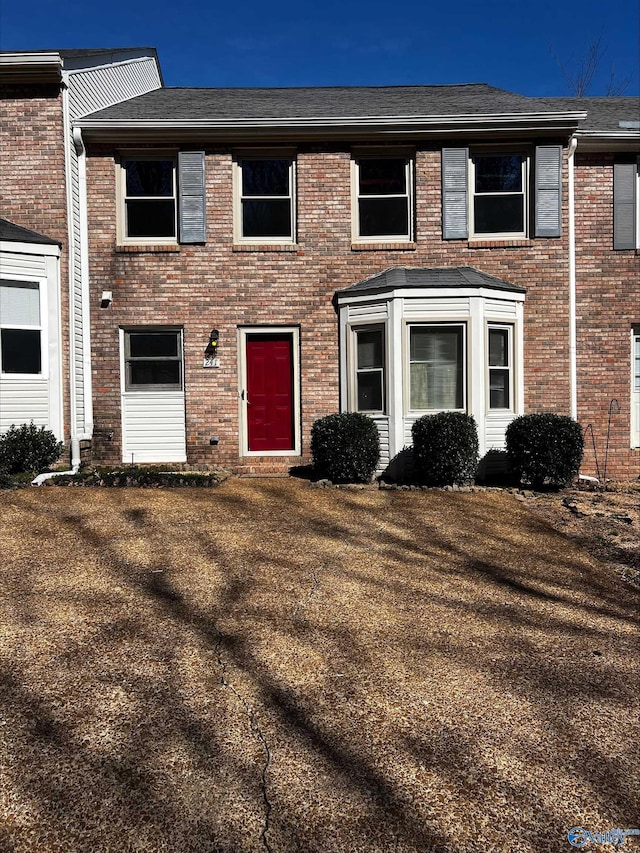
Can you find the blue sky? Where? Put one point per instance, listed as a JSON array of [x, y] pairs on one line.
[[507, 44]]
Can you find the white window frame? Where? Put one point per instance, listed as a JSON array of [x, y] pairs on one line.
[[526, 195], [238, 235], [42, 328], [638, 203], [635, 387], [127, 387], [355, 330], [123, 237], [356, 159], [411, 412], [508, 328]]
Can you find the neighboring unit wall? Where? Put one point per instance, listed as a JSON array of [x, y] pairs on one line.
[[91, 89], [32, 180], [224, 286], [608, 307]]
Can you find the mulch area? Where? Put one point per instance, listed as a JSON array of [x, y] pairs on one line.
[[270, 667]]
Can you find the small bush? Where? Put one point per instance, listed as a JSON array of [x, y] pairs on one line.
[[345, 447], [545, 449], [27, 448], [445, 448], [144, 477]]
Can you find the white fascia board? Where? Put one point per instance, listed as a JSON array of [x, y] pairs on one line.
[[429, 293], [490, 121], [46, 249], [31, 61], [608, 140]]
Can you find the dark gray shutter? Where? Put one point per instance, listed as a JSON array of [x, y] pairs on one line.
[[191, 194], [624, 205], [455, 193], [548, 190]]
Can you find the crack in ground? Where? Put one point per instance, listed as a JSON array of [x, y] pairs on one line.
[[257, 731], [297, 615]]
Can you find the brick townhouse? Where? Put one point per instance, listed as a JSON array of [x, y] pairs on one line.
[[257, 258]]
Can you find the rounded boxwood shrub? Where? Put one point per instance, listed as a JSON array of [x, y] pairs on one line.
[[445, 448], [28, 448], [345, 447], [545, 449]]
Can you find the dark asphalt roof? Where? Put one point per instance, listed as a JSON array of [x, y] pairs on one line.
[[407, 277], [184, 105], [603, 113], [11, 231]]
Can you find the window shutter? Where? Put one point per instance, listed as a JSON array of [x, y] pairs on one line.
[[455, 193], [548, 190], [624, 205], [192, 202]]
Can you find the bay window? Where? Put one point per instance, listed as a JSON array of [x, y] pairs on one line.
[[499, 363], [436, 368], [369, 360]]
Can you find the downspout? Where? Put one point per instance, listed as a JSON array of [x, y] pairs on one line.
[[573, 358], [73, 431]]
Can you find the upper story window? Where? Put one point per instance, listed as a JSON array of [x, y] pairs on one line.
[[20, 328], [383, 192], [153, 360], [369, 358], [436, 368], [498, 194], [149, 206], [266, 199]]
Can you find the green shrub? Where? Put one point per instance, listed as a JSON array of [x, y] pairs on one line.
[[27, 448], [345, 447], [545, 448], [145, 477], [445, 448]]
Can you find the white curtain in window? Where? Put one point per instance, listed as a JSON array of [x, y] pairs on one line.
[[19, 303]]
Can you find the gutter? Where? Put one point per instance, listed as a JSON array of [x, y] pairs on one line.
[[573, 355]]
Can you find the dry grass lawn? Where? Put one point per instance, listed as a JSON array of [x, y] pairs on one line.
[[270, 667]]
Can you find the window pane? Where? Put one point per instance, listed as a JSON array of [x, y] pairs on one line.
[[499, 214], [153, 344], [154, 373], [266, 218], [151, 218], [370, 391], [265, 177], [498, 174], [19, 303], [149, 177], [369, 348], [20, 351], [498, 347], [499, 389], [382, 177], [436, 368], [384, 217]]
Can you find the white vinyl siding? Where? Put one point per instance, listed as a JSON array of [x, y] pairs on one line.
[[153, 419], [153, 427], [24, 400]]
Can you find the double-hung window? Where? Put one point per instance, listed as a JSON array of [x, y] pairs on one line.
[[148, 191], [383, 192], [498, 194], [266, 199], [500, 366], [369, 360], [153, 360], [20, 328], [436, 368], [635, 387]]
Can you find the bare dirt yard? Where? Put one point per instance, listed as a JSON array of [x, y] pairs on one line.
[[271, 667]]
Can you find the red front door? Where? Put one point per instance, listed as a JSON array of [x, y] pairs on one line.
[[269, 392]]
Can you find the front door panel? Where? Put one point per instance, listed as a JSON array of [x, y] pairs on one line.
[[269, 392]]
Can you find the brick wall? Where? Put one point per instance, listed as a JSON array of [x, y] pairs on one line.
[[608, 305], [32, 181], [219, 286]]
